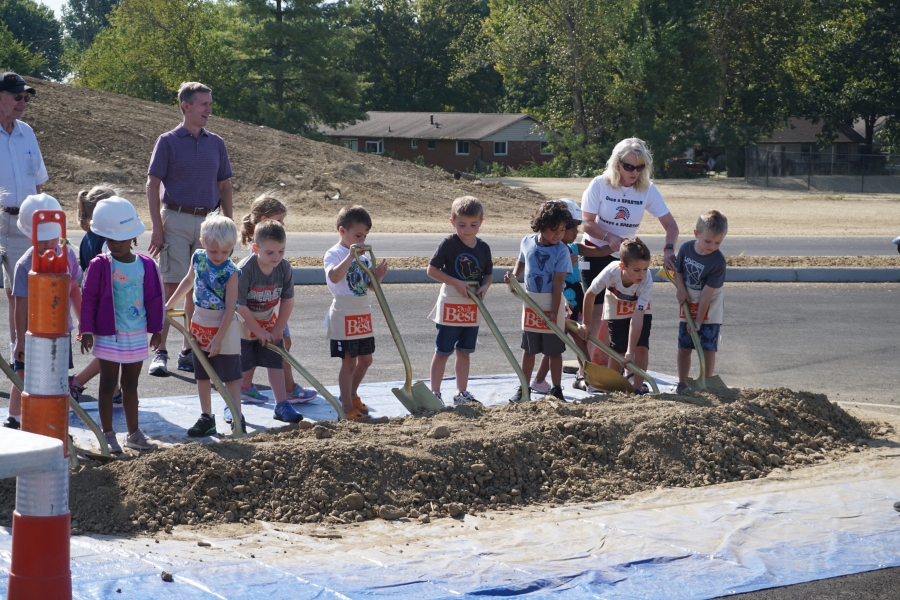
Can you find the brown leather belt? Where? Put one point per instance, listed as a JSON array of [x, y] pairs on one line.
[[12, 210], [197, 212]]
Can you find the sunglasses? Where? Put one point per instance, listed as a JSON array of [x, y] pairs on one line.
[[19, 97], [632, 168]]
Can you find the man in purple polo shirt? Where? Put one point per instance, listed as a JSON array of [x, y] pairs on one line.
[[190, 175]]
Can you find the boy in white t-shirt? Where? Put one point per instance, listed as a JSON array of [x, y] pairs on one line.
[[349, 319], [626, 309]]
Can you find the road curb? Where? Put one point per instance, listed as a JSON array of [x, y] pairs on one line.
[[316, 275]]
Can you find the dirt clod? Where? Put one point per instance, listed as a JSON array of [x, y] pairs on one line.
[[167, 577], [389, 512], [440, 432]]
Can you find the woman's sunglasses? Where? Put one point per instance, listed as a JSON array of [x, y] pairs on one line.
[[632, 168], [19, 97]]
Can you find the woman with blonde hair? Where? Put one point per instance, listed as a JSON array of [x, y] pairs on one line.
[[613, 206]]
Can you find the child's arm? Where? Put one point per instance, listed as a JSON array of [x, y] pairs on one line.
[[486, 282], [339, 271], [559, 282], [231, 294], [75, 300], [587, 311], [516, 272], [453, 282], [253, 325], [380, 271], [681, 294], [593, 251], [634, 334], [184, 287], [21, 326], [705, 297], [284, 313]]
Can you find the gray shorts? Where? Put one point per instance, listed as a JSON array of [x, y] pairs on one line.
[[254, 354], [181, 237], [13, 244], [226, 366], [547, 344]]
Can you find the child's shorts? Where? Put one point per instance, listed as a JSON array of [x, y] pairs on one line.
[[254, 354], [547, 344], [362, 347], [226, 366], [619, 330], [19, 365], [450, 337], [708, 334]]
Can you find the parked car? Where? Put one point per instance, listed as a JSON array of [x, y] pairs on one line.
[[685, 167], [897, 241]]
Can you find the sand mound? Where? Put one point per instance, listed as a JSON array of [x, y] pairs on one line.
[[468, 459]]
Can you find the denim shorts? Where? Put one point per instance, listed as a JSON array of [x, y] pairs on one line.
[[708, 334], [454, 337]]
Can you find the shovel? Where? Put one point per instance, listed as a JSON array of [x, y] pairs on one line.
[[308, 377], [235, 409], [573, 326], [597, 376], [502, 342], [414, 397], [702, 382]]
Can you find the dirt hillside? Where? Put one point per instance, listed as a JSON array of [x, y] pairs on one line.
[[88, 137]]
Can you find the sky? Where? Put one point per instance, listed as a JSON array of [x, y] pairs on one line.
[[55, 5]]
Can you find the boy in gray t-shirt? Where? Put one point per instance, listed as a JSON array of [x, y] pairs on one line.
[[699, 277]]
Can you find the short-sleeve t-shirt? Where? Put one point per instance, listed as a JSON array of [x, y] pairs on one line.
[[20, 276], [454, 258], [621, 210], [622, 300], [700, 270], [355, 282], [262, 293], [542, 263], [190, 168], [128, 295], [210, 280]]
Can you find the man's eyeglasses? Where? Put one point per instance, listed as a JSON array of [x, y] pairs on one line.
[[19, 97], [632, 168]]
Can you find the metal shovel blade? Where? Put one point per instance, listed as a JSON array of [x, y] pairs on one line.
[[424, 397], [406, 398], [714, 382], [604, 378]]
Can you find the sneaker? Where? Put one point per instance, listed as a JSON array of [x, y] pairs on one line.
[[286, 413], [138, 441], [226, 414], [251, 395], [541, 387], [557, 392], [439, 396], [12, 423], [112, 442], [682, 388], [75, 389], [517, 397], [117, 397], [186, 360], [300, 394], [579, 383], [360, 406], [159, 365], [464, 397], [205, 425], [243, 425]]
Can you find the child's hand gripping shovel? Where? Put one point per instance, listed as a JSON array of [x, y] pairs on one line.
[[501, 341], [415, 397], [701, 383], [308, 377], [573, 327], [235, 408], [597, 376]]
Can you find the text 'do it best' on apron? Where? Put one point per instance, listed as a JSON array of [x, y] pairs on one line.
[[532, 322], [267, 324], [616, 308], [714, 314], [349, 318], [452, 308], [204, 326]]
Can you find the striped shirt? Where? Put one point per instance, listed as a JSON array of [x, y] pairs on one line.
[[190, 168]]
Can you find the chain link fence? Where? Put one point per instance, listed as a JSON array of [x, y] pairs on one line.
[[823, 172]]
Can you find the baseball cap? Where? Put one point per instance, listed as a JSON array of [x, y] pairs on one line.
[[14, 84], [574, 209]]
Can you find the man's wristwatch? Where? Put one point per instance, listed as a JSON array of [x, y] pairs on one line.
[[670, 247]]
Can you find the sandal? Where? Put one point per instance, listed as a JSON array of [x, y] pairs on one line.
[[360, 406], [355, 415], [644, 389]]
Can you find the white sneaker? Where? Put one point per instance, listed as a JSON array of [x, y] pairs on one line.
[[159, 365], [138, 441], [112, 442], [540, 386]]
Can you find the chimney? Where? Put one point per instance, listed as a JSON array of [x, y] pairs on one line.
[[431, 119]]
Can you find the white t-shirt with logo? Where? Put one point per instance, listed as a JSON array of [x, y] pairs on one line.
[[622, 301], [355, 281], [620, 211]]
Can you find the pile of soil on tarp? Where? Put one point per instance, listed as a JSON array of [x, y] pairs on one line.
[[469, 459]]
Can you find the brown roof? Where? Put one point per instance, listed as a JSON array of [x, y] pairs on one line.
[[418, 125], [803, 131]]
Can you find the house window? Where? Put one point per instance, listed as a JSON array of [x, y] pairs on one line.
[[350, 143], [462, 147], [414, 144], [545, 148], [499, 148], [375, 146], [431, 144]]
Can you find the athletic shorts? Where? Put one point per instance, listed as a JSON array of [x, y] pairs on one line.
[[226, 366], [619, 330], [547, 344], [708, 334], [362, 347], [254, 354], [453, 337], [595, 265]]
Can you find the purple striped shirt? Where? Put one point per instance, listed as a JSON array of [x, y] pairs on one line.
[[190, 168]]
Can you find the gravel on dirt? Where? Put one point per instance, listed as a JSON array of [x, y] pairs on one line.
[[463, 460]]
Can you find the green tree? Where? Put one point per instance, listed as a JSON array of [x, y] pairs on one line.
[[84, 19], [35, 27], [16, 57]]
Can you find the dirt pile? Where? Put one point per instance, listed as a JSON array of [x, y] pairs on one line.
[[88, 137], [465, 460]]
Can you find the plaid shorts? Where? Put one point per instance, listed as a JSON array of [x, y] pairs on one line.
[[708, 334]]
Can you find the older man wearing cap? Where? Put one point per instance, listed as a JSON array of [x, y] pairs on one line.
[[22, 172], [189, 177]]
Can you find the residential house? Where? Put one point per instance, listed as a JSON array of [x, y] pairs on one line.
[[800, 137]]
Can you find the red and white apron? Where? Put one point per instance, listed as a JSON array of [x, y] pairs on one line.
[[349, 318], [205, 325], [452, 308], [532, 322], [715, 314]]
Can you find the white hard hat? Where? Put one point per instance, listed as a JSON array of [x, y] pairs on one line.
[[32, 204], [115, 219], [574, 209]]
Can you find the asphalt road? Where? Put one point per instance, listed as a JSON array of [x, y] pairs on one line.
[[423, 244]]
